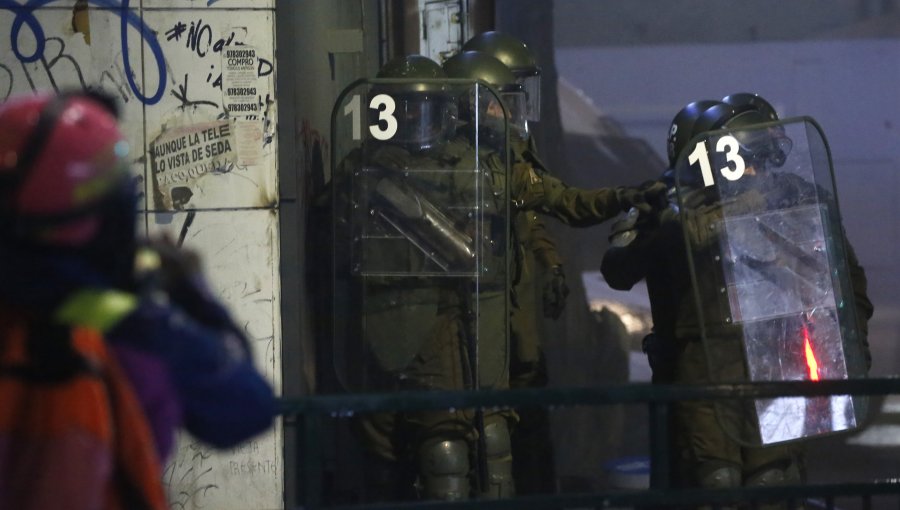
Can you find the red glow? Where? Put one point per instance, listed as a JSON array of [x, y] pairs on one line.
[[810, 357]]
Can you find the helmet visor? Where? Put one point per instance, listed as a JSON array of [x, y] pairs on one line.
[[765, 148], [492, 115], [532, 86], [423, 120], [517, 106]]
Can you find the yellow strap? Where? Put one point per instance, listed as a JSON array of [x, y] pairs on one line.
[[96, 309]]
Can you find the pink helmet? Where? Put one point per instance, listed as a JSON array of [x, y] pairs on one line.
[[62, 157]]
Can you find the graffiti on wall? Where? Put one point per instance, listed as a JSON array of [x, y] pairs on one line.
[[25, 18], [227, 78], [50, 51], [197, 69]]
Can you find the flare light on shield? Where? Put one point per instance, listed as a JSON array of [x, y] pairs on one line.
[[810, 357]]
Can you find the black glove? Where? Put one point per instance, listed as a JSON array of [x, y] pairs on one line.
[[646, 198], [655, 194], [162, 266], [554, 293]]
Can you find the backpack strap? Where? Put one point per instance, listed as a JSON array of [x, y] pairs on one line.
[[54, 359], [66, 354], [136, 470]]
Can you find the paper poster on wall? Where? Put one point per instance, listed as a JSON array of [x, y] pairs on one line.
[[240, 74], [249, 142], [182, 156]]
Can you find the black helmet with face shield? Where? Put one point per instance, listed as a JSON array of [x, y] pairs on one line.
[[485, 109], [519, 58], [423, 105], [776, 149], [761, 148]]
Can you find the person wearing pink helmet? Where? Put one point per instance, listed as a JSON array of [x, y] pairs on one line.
[[100, 363]]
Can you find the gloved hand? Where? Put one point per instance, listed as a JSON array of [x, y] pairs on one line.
[[646, 198], [163, 266], [554, 293], [624, 230], [170, 266]]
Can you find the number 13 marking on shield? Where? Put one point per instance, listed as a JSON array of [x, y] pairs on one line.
[[385, 115], [727, 144]]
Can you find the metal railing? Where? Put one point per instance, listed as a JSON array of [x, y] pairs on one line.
[[308, 415]]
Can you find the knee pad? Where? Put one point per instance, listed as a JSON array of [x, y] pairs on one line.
[[720, 477], [773, 474], [778, 473], [444, 469], [498, 450]]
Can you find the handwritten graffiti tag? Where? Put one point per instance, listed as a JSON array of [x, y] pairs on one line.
[[198, 39], [24, 17]]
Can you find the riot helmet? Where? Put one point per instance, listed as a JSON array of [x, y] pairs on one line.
[[475, 65], [424, 109], [682, 128], [64, 180], [749, 100], [761, 148], [516, 56], [746, 101]]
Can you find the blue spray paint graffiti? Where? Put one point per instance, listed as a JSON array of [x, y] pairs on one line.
[[25, 16]]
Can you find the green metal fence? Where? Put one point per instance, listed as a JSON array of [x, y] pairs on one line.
[[308, 414]]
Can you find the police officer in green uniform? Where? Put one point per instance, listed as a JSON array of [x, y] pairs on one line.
[[418, 327], [541, 275], [534, 190], [653, 248]]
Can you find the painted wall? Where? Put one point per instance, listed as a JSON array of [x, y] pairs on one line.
[[196, 82]]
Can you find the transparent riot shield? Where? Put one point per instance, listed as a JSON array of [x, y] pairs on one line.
[[770, 275], [420, 237]]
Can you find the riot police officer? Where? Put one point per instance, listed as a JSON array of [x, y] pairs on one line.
[[541, 273], [507, 64], [541, 262], [696, 338], [420, 257]]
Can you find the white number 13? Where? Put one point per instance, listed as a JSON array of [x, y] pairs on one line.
[[727, 144], [385, 114]]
